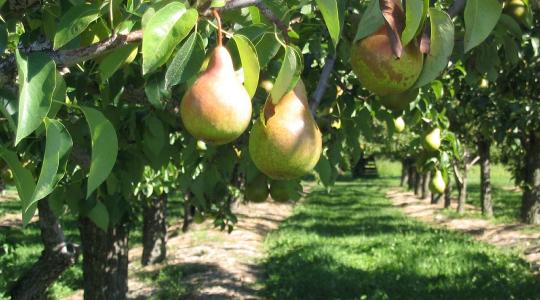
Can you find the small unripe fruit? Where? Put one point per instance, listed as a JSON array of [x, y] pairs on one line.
[[399, 124], [437, 184], [432, 141], [257, 190]]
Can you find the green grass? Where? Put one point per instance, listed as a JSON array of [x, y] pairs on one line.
[[506, 200], [352, 244]]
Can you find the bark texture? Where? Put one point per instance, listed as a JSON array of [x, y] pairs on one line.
[[530, 211], [448, 193], [56, 258], [105, 261], [154, 230], [485, 177], [462, 189], [425, 185]]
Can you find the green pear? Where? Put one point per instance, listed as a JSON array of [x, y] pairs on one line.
[[437, 184], [377, 68], [432, 141], [399, 124], [399, 102], [257, 190]]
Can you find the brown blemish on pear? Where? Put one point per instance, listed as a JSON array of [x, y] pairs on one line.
[[379, 70]]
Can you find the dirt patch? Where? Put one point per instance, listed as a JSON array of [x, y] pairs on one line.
[[214, 264], [224, 265], [502, 235]]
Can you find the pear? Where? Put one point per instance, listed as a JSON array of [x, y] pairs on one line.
[[377, 68], [399, 102], [432, 141], [257, 190], [437, 184], [286, 143], [217, 107], [399, 124], [283, 191]]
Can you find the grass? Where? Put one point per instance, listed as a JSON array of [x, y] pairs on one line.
[[352, 244], [506, 199]]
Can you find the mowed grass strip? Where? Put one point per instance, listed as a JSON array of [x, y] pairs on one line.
[[352, 244]]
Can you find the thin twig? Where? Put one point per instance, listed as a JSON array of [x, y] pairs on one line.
[[269, 14], [323, 82]]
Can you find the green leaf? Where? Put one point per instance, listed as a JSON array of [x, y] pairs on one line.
[[74, 22], [217, 3], [324, 169], [100, 216], [187, 62], [154, 136], [481, 16], [104, 148], [250, 63], [24, 181], [288, 75], [371, 21], [165, 29], [415, 16], [267, 47], [152, 89], [114, 60], [330, 12], [57, 148], [442, 45], [37, 77]]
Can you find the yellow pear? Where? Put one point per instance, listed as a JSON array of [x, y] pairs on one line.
[[286, 143], [217, 107]]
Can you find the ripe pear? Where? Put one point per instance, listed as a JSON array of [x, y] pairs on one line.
[[437, 184], [257, 190], [217, 107], [379, 70], [432, 140], [286, 143], [399, 124], [399, 102]]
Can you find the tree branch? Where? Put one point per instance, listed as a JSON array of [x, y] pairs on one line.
[[71, 57], [269, 14], [323, 82]]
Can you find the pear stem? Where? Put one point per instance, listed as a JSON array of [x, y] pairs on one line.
[[218, 20]]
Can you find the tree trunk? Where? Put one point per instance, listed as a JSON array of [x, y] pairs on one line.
[[404, 172], [417, 182], [485, 177], [105, 261], [189, 212], [530, 210], [57, 257], [425, 185], [154, 230], [410, 182], [462, 199], [448, 193]]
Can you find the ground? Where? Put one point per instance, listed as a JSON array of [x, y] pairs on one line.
[[351, 243]]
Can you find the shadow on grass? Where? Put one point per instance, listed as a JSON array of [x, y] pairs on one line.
[[185, 281], [351, 244]]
